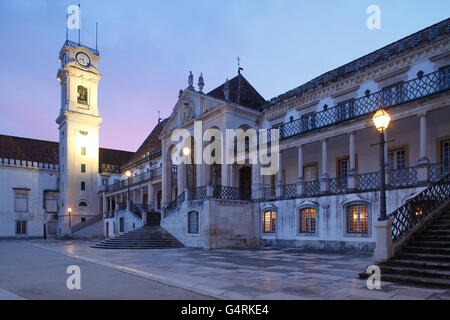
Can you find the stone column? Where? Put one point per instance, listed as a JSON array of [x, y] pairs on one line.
[[422, 168], [150, 195], [383, 236], [352, 179], [300, 171], [256, 181], [104, 204], [324, 175], [279, 183]]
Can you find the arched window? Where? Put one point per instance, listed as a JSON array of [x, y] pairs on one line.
[[269, 221], [82, 97], [82, 204], [307, 218], [358, 218], [193, 222]]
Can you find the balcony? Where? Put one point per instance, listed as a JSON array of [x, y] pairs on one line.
[[132, 181], [420, 87], [364, 182]]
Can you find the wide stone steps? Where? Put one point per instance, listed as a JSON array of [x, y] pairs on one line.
[[425, 259], [147, 237]]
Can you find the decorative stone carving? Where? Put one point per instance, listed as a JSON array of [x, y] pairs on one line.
[[188, 110], [201, 83], [190, 81]]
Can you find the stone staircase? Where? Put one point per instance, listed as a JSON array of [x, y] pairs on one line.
[[146, 237], [86, 223], [425, 259]]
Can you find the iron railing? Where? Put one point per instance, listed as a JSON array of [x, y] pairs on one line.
[[414, 210], [136, 209], [175, 204], [338, 185], [408, 91], [405, 177], [311, 188], [437, 171], [74, 44], [198, 193], [269, 193], [141, 178], [231, 193], [368, 181], [290, 191]]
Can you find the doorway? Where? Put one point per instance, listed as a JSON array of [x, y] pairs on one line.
[[245, 182]]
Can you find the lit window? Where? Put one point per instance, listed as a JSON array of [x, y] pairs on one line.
[[21, 200], [21, 227], [193, 222], [83, 168], [357, 219], [269, 221], [308, 220]]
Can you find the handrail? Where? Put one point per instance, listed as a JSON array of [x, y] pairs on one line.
[[422, 86], [417, 208]]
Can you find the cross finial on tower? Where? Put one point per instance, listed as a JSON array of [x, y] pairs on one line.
[[159, 116]]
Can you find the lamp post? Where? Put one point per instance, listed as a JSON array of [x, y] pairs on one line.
[[70, 219], [186, 153], [381, 121], [128, 174]]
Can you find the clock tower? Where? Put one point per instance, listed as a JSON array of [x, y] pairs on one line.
[[79, 123]]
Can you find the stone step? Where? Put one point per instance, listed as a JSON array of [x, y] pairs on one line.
[[436, 232], [429, 243], [441, 251], [432, 237], [436, 227], [441, 265], [418, 281], [424, 257], [416, 272]]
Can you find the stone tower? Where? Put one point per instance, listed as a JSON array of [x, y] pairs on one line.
[[79, 123]]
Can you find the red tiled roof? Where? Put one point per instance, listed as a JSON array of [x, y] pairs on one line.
[[48, 151], [241, 92]]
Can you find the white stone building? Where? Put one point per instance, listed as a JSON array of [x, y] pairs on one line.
[[325, 194]]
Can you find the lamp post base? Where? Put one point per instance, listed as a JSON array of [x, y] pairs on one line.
[[383, 237]]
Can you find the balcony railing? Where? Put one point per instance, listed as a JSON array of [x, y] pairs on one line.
[[231, 193], [423, 86], [73, 44], [198, 193], [364, 182], [144, 177]]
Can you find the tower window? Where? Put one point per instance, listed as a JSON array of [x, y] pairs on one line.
[[83, 185], [83, 168], [82, 97], [83, 151]]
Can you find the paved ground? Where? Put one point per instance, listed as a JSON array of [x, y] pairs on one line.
[[245, 274], [33, 273]]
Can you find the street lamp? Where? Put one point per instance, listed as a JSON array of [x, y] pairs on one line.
[[381, 121], [70, 219], [186, 153], [128, 174]]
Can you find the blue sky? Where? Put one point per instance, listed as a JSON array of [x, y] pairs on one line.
[[148, 47]]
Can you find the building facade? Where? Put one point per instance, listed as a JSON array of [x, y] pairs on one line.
[[319, 138]]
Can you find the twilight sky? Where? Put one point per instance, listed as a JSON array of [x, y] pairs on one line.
[[147, 48]]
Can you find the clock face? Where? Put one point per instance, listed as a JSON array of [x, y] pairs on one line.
[[83, 59]]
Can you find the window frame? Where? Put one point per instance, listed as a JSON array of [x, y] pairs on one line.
[[196, 230], [362, 234], [300, 209], [23, 229], [272, 221], [83, 186], [83, 168], [23, 192]]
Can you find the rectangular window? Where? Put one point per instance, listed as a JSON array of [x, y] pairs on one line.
[[343, 168], [397, 165], [83, 168], [51, 202], [83, 151], [193, 222], [83, 185], [308, 220], [21, 227], [310, 173], [269, 221], [445, 153], [358, 219], [21, 200]]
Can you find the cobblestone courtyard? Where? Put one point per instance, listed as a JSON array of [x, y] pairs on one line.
[[247, 273]]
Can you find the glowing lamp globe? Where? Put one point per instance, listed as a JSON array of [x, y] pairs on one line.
[[381, 120]]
